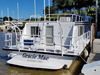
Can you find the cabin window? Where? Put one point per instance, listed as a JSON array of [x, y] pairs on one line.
[[80, 30], [49, 34], [74, 18], [77, 18], [35, 31], [5, 27]]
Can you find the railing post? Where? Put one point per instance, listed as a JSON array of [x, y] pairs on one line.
[[86, 37], [11, 39], [79, 18], [61, 37], [72, 18], [5, 40], [16, 40], [34, 42], [76, 18]]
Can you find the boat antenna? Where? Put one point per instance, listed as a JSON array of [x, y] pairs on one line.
[[8, 13], [49, 8], [35, 9], [44, 10], [18, 11]]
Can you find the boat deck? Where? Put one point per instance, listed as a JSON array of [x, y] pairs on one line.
[[94, 57]]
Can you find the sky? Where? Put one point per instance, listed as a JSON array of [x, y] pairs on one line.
[[26, 8]]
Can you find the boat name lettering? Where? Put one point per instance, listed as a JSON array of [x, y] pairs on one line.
[[34, 56]]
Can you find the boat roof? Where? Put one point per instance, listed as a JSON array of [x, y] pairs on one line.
[[89, 17]]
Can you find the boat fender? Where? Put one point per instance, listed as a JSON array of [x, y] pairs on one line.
[[65, 66], [86, 53]]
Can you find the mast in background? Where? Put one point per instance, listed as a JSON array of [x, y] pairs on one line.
[[44, 10], [49, 8], [13, 14], [2, 14], [35, 9], [8, 13], [17, 11]]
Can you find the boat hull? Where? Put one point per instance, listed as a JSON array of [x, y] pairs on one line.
[[37, 60]]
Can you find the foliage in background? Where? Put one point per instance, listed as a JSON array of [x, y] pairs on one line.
[[65, 5], [52, 10], [6, 18]]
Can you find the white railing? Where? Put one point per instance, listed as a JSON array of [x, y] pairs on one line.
[[83, 40], [8, 39], [60, 17], [77, 47], [71, 17]]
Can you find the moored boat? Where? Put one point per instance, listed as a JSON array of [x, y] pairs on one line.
[[49, 44]]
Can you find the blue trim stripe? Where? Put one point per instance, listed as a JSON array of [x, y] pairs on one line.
[[28, 42]]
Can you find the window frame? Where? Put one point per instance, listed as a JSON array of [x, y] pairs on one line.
[[50, 36], [36, 28], [79, 30]]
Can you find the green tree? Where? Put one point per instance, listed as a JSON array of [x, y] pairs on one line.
[[6, 18], [10, 18], [52, 10], [62, 4]]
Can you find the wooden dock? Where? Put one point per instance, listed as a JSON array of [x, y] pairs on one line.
[[92, 57], [95, 57]]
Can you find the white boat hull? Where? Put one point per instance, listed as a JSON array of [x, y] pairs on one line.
[[36, 60], [91, 68]]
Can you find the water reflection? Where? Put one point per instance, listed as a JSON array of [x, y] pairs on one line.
[[13, 70]]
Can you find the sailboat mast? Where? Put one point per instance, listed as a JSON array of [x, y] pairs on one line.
[[8, 13], [49, 8], [2, 13], [35, 9], [44, 10], [18, 11]]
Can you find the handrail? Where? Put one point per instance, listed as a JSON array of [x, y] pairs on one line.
[[15, 26], [76, 15], [35, 16], [81, 40], [58, 15], [62, 45], [9, 41], [61, 32]]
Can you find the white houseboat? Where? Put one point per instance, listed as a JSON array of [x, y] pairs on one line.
[[49, 44]]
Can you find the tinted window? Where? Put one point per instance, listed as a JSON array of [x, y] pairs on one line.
[[80, 30], [35, 31]]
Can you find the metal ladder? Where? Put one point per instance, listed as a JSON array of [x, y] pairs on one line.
[[8, 39]]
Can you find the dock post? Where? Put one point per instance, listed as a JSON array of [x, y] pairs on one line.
[[92, 35], [91, 55]]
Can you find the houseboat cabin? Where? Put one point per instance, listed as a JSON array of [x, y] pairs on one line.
[[50, 44]]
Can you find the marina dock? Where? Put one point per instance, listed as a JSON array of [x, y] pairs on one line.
[[93, 63], [95, 57]]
